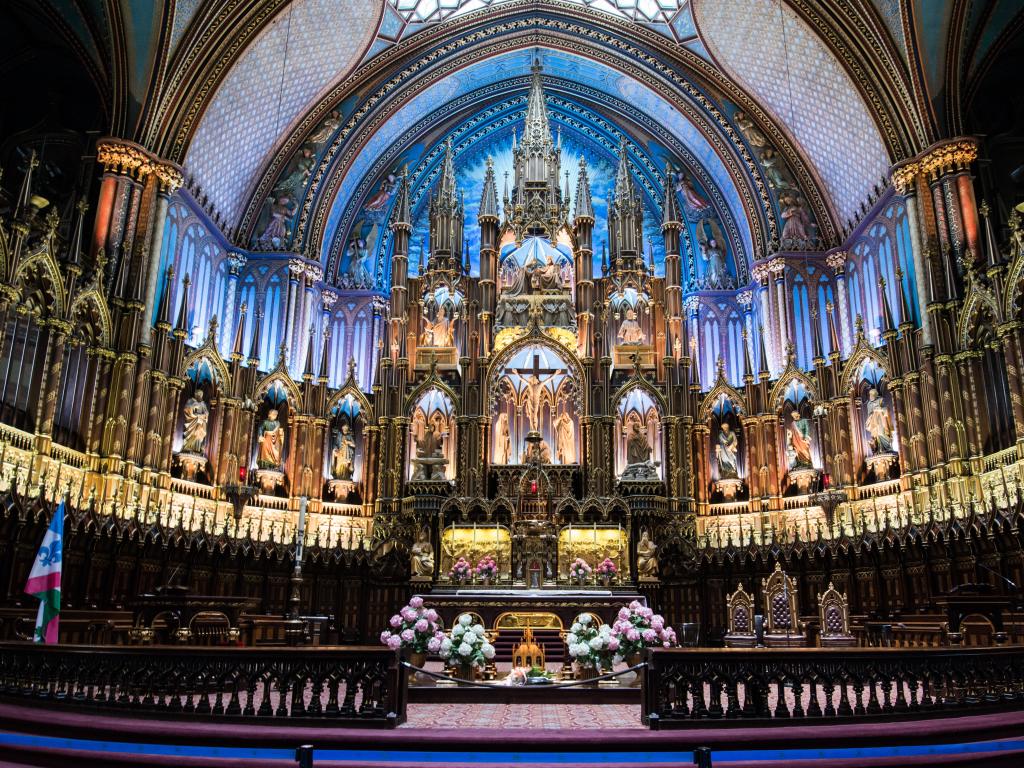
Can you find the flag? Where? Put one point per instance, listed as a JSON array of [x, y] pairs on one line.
[[44, 580]]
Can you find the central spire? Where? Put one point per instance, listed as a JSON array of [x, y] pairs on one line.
[[538, 129]]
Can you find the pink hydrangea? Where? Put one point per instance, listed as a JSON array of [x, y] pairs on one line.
[[635, 605], [657, 623], [408, 614], [408, 635], [422, 625], [385, 636], [632, 635], [613, 644], [649, 635], [431, 614], [623, 614], [396, 621], [434, 644], [394, 642], [416, 602]]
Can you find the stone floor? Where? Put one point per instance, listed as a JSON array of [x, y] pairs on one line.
[[534, 716]]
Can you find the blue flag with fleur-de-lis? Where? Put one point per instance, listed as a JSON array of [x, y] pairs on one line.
[[44, 579]]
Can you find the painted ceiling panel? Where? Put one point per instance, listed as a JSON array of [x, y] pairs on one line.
[[556, 64], [794, 75], [184, 10], [303, 51]]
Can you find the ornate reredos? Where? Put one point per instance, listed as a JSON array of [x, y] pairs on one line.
[[501, 361]]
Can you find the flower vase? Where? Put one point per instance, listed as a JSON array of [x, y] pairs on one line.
[[586, 672], [418, 678], [485, 581], [631, 679], [579, 579], [466, 672], [606, 580]]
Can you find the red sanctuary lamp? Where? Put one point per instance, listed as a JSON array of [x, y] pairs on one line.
[[240, 493]]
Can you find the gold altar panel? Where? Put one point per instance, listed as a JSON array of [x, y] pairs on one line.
[[594, 544], [475, 542]]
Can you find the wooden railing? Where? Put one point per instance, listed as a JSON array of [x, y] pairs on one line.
[[361, 686], [683, 685]]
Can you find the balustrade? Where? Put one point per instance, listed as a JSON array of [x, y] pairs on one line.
[[351, 686], [682, 685]]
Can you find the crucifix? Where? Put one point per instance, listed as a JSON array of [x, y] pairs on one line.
[[534, 385]]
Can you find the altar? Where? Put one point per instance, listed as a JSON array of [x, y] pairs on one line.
[[517, 609]]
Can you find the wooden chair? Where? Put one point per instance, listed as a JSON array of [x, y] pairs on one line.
[[782, 628], [834, 617], [741, 619]]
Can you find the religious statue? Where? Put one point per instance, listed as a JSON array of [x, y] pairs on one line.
[[343, 455], [359, 266], [796, 226], [430, 460], [775, 170], [716, 274], [565, 446], [275, 234], [439, 332], [422, 556], [539, 452], [726, 451], [503, 440], [646, 557], [380, 199], [752, 133], [630, 331], [690, 196], [638, 447], [327, 128], [271, 442], [532, 399], [798, 442], [878, 423], [197, 415], [549, 276]]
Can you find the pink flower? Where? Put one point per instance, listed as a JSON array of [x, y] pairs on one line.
[[667, 644], [632, 635], [434, 644], [422, 625], [408, 635], [431, 614], [635, 605], [396, 621], [613, 644], [394, 642], [657, 623], [647, 613], [650, 635], [623, 614], [416, 602], [408, 614], [385, 636]]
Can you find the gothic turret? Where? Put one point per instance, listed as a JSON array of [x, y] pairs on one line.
[[447, 219], [625, 219]]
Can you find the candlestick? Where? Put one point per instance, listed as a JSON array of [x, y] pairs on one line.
[[300, 534]]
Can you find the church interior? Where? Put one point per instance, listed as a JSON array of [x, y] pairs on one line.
[[646, 376]]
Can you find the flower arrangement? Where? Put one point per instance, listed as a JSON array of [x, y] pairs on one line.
[[528, 676], [579, 569], [590, 645], [414, 627], [638, 627], [606, 568], [461, 571], [487, 568], [467, 646]]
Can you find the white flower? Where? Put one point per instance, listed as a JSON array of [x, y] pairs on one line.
[[571, 638], [596, 643], [479, 629], [583, 618], [465, 649], [488, 651], [457, 631], [465, 619]]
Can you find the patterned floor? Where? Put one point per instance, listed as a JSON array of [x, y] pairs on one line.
[[543, 716]]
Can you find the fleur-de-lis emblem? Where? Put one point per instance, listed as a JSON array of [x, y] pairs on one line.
[[50, 555]]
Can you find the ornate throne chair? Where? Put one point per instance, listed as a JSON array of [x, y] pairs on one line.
[[782, 628], [741, 619], [834, 615]]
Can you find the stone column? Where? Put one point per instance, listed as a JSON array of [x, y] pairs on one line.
[[169, 180], [295, 269], [764, 299], [778, 268], [837, 262], [236, 262]]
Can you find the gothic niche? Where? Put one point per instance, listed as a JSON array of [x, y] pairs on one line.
[[345, 454], [727, 448], [535, 280], [535, 392], [440, 311], [799, 448], [638, 437], [631, 318], [271, 430], [432, 437], [873, 403], [198, 398]]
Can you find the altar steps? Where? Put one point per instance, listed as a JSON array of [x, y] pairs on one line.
[[549, 639]]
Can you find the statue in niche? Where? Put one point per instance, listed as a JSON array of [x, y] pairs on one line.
[[638, 447], [796, 227], [275, 234], [646, 557], [197, 417], [750, 131], [532, 400], [379, 201], [327, 128], [630, 332], [439, 332], [727, 452], [878, 423], [271, 442], [716, 274], [503, 440], [798, 442], [539, 452], [565, 447], [430, 461], [343, 455], [422, 556], [691, 198], [775, 170], [360, 268], [295, 181]]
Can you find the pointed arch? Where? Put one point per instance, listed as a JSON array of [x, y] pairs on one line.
[[852, 367], [978, 302], [791, 374], [39, 276], [279, 376], [98, 319]]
